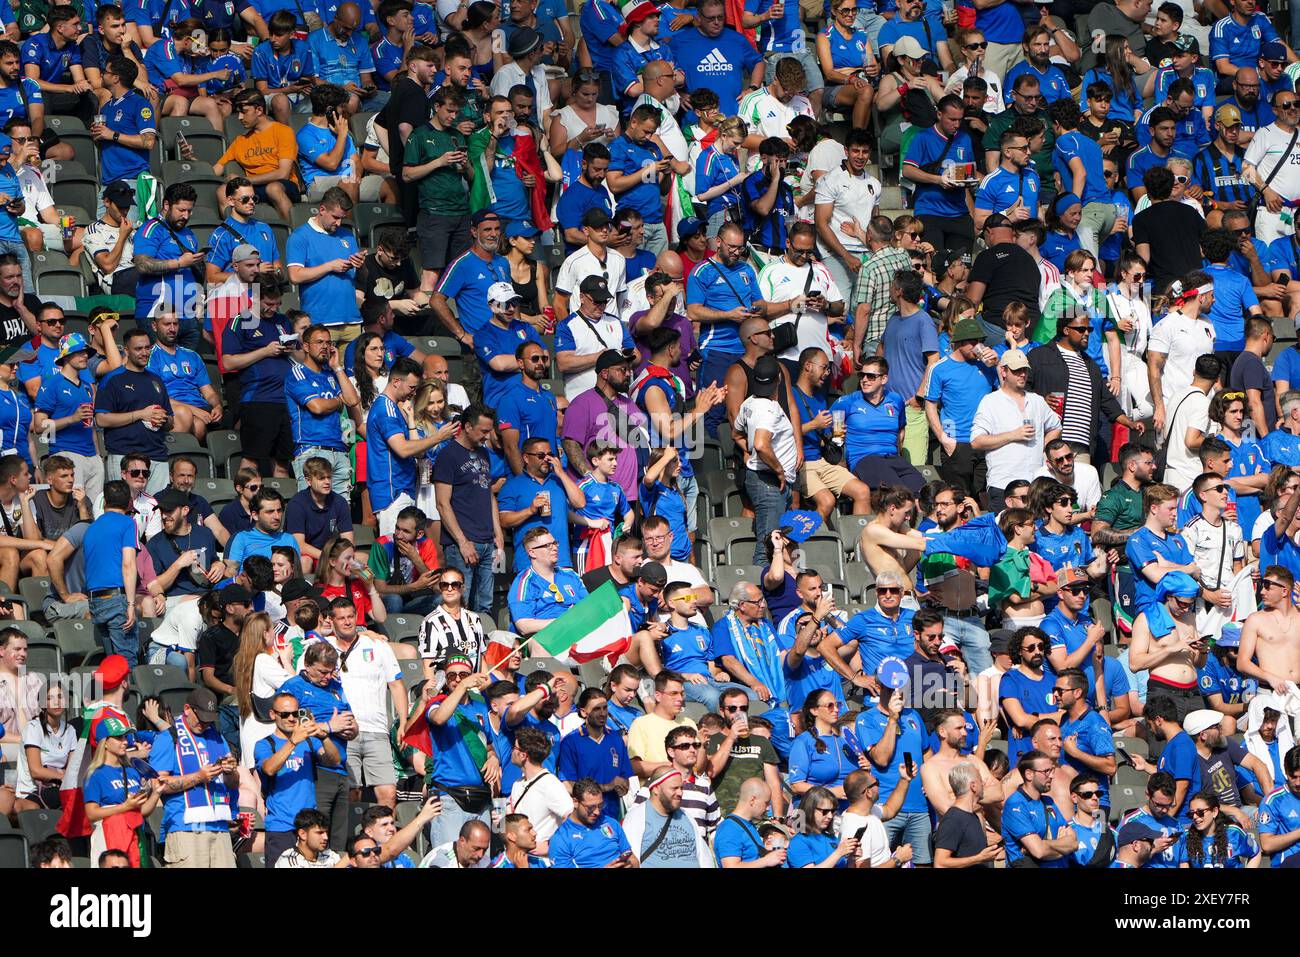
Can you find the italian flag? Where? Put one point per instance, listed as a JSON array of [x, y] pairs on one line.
[[596, 627]]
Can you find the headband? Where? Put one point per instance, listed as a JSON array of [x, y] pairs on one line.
[[655, 782], [1066, 201]]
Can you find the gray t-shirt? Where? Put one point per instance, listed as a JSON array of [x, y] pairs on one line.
[[677, 849], [74, 571], [52, 521], [1109, 19]]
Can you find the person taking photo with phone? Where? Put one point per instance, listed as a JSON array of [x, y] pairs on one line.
[[286, 762]]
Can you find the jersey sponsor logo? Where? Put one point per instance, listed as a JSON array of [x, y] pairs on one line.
[[714, 62]]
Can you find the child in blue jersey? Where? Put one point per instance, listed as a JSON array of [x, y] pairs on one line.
[[663, 496], [606, 508], [220, 58]]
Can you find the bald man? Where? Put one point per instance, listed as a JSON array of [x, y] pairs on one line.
[[436, 368], [638, 300], [756, 336], [468, 850], [736, 842]]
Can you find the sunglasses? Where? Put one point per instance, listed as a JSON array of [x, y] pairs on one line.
[[1079, 328], [686, 746], [1038, 647], [983, 45], [733, 708], [1199, 812], [1076, 589], [1092, 794], [889, 590], [1182, 180], [1064, 499], [368, 852], [138, 473], [1139, 276], [450, 586], [1063, 457], [1289, 105], [1269, 583], [1218, 488]]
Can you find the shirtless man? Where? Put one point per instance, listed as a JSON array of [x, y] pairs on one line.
[[950, 726], [1172, 655], [1046, 737], [1270, 638], [889, 542]]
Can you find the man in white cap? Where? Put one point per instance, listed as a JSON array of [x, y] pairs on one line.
[[588, 332], [1011, 426], [1219, 760], [66, 400], [496, 342]]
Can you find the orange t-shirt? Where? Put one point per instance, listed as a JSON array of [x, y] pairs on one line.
[[260, 152]]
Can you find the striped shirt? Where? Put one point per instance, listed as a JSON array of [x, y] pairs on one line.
[[1051, 277], [1076, 422], [872, 287], [698, 801]]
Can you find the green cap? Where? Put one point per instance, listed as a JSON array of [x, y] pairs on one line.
[[967, 329]]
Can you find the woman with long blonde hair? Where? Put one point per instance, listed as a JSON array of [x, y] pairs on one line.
[[113, 787], [260, 668]]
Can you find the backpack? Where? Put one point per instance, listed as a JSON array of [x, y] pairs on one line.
[[918, 109]]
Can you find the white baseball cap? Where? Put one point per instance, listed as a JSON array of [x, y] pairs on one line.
[[503, 294]]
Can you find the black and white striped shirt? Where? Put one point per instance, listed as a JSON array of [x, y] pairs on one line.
[[442, 636]]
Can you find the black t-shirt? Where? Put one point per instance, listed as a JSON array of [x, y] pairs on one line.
[[1249, 372], [1219, 772], [1173, 231], [376, 282], [961, 834], [1009, 275], [597, 577], [469, 474], [12, 326], [408, 103], [217, 647]]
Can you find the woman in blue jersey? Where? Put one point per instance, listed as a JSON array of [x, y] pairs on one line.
[[1116, 71], [115, 788], [15, 414], [662, 495], [370, 377], [718, 175], [819, 756], [1249, 463], [1213, 839], [817, 845], [851, 72]]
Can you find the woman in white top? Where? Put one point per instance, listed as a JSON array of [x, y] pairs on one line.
[[973, 46], [1133, 318], [261, 667], [48, 739], [538, 795], [582, 120]]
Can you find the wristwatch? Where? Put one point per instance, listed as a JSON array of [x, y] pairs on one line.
[[116, 136]]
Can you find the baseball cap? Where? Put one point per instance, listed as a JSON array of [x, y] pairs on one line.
[[1015, 359], [595, 218], [521, 227], [482, 216], [688, 227], [112, 672], [296, 588], [119, 194], [1272, 52], [245, 251], [110, 726], [503, 294], [597, 288], [910, 47], [1200, 720], [966, 330], [204, 704], [610, 358], [1070, 576], [1186, 43], [170, 498], [652, 573], [236, 595], [71, 344], [767, 374], [1227, 115], [1135, 831]]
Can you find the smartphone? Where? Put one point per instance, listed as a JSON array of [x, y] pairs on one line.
[[826, 590], [862, 830], [911, 767], [181, 141], [304, 715], [1124, 756]]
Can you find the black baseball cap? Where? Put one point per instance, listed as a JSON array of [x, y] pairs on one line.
[[596, 287], [296, 588], [595, 218], [652, 573], [236, 595], [610, 358], [767, 373], [170, 498]]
